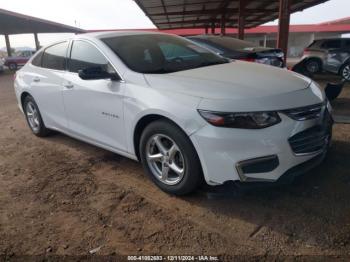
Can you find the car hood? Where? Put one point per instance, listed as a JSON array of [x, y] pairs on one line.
[[235, 80]]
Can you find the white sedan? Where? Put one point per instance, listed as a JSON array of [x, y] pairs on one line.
[[186, 113]]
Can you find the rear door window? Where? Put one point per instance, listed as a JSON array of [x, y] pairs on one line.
[[54, 57]]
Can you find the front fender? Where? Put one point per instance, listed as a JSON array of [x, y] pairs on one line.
[[141, 101]]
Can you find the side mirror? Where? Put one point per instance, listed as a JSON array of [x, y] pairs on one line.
[[95, 73]]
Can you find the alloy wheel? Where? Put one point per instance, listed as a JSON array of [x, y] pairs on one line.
[[346, 72], [312, 67], [33, 116], [165, 159]]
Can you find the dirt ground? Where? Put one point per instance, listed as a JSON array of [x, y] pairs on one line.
[[59, 196]]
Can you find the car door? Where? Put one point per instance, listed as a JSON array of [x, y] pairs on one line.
[[345, 54], [334, 54], [44, 76], [94, 107]]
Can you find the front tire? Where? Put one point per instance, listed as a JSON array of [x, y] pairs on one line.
[[313, 66], [169, 158], [34, 119]]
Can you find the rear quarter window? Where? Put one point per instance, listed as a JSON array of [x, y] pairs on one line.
[[54, 57], [331, 44], [37, 59]]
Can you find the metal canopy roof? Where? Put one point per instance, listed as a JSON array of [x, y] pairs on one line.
[[15, 23], [173, 14]]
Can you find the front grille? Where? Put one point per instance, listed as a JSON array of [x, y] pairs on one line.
[[313, 139], [305, 113]]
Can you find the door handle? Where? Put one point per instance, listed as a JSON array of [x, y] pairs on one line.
[[69, 86], [36, 79]]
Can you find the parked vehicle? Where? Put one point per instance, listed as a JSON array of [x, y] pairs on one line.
[[186, 113], [20, 58], [332, 89], [331, 55], [242, 50]]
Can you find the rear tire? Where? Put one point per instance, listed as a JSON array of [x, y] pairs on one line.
[[33, 117], [313, 66], [169, 158], [13, 66]]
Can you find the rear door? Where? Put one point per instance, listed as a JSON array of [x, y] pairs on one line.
[[334, 49], [45, 78], [94, 107]]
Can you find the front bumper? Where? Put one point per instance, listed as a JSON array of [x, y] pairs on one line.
[[223, 150]]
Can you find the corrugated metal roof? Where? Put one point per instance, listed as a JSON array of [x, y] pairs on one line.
[[174, 14], [15, 23], [264, 29]]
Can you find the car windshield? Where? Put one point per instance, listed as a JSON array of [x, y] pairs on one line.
[[160, 54]]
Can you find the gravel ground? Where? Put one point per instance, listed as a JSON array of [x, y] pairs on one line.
[[59, 196]]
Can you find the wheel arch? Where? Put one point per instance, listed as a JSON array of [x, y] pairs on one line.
[[23, 97], [314, 58], [142, 123]]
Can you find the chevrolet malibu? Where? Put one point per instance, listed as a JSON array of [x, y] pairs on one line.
[[187, 114]]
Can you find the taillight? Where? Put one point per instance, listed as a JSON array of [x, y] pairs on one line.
[[248, 59], [306, 52]]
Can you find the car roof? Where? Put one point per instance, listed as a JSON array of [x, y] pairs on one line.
[[106, 34], [336, 38]]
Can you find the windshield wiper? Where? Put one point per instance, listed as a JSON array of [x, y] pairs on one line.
[[157, 71]]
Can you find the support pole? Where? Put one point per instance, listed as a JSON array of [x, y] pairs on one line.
[[213, 28], [37, 43], [8, 45], [223, 25], [241, 19], [283, 26]]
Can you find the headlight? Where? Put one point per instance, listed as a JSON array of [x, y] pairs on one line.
[[253, 120]]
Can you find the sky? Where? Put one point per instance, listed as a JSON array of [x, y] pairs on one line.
[[125, 14]]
